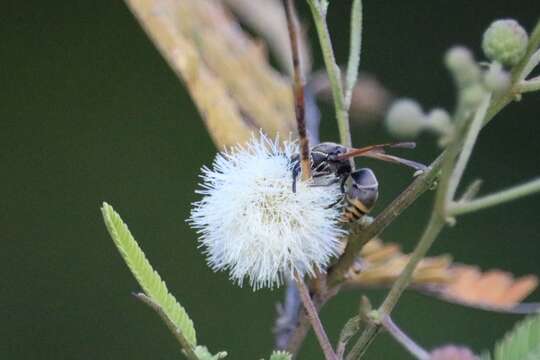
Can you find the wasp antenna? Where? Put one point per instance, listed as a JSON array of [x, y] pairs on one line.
[[379, 148], [404, 145]]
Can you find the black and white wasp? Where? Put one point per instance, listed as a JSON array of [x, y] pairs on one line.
[[332, 160]]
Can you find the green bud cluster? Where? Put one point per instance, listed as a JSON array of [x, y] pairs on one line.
[[505, 41], [463, 67], [406, 120], [496, 79]]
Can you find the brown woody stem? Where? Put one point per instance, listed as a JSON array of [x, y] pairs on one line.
[[314, 319], [298, 89]]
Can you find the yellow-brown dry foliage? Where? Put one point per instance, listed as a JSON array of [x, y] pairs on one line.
[[225, 71], [380, 264]]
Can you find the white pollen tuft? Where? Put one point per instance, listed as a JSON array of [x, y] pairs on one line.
[[252, 224]]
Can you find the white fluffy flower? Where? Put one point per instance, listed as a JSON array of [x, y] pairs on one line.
[[252, 224]]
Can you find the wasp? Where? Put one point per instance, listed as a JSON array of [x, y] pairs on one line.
[[332, 160]]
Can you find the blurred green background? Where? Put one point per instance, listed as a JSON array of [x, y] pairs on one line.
[[91, 112]]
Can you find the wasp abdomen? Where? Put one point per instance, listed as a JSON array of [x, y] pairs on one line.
[[361, 196]]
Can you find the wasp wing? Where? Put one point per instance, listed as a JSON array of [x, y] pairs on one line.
[[374, 148], [394, 159]]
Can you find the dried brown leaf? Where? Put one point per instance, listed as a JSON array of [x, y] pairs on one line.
[[381, 264], [226, 73], [267, 18]]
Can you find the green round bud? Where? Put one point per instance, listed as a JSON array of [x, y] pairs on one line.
[[405, 119], [458, 57], [439, 121], [496, 79], [505, 41], [473, 95], [460, 62]]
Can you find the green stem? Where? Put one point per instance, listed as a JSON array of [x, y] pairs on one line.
[[530, 85], [355, 50], [531, 58], [503, 196], [334, 74], [530, 65], [466, 149], [433, 229]]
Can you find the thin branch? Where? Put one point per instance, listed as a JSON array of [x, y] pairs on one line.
[[350, 329], [500, 197], [188, 350], [466, 149], [529, 85], [416, 350], [433, 229], [533, 62], [357, 239], [355, 50], [531, 58], [368, 335], [472, 190], [334, 74], [298, 89], [313, 315]]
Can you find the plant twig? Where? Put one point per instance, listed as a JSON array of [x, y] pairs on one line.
[[416, 350], [349, 330], [433, 229], [334, 74], [471, 191], [529, 85], [188, 350], [466, 149], [357, 239], [500, 197], [355, 49], [313, 316], [298, 89], [531, 58]]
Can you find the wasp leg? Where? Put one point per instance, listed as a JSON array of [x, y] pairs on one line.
[[342, 185], [294, 178], [334, 204]]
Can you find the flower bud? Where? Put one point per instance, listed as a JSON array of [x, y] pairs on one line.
[[452, 352], [496, 79], [460, 62], [505, 41], [405, 119], [473, 95], [439, 119]]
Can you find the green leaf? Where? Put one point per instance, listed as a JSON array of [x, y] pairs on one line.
[[280, 355], [350, 329], [522, 343], [203, 353], [148, 279]]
